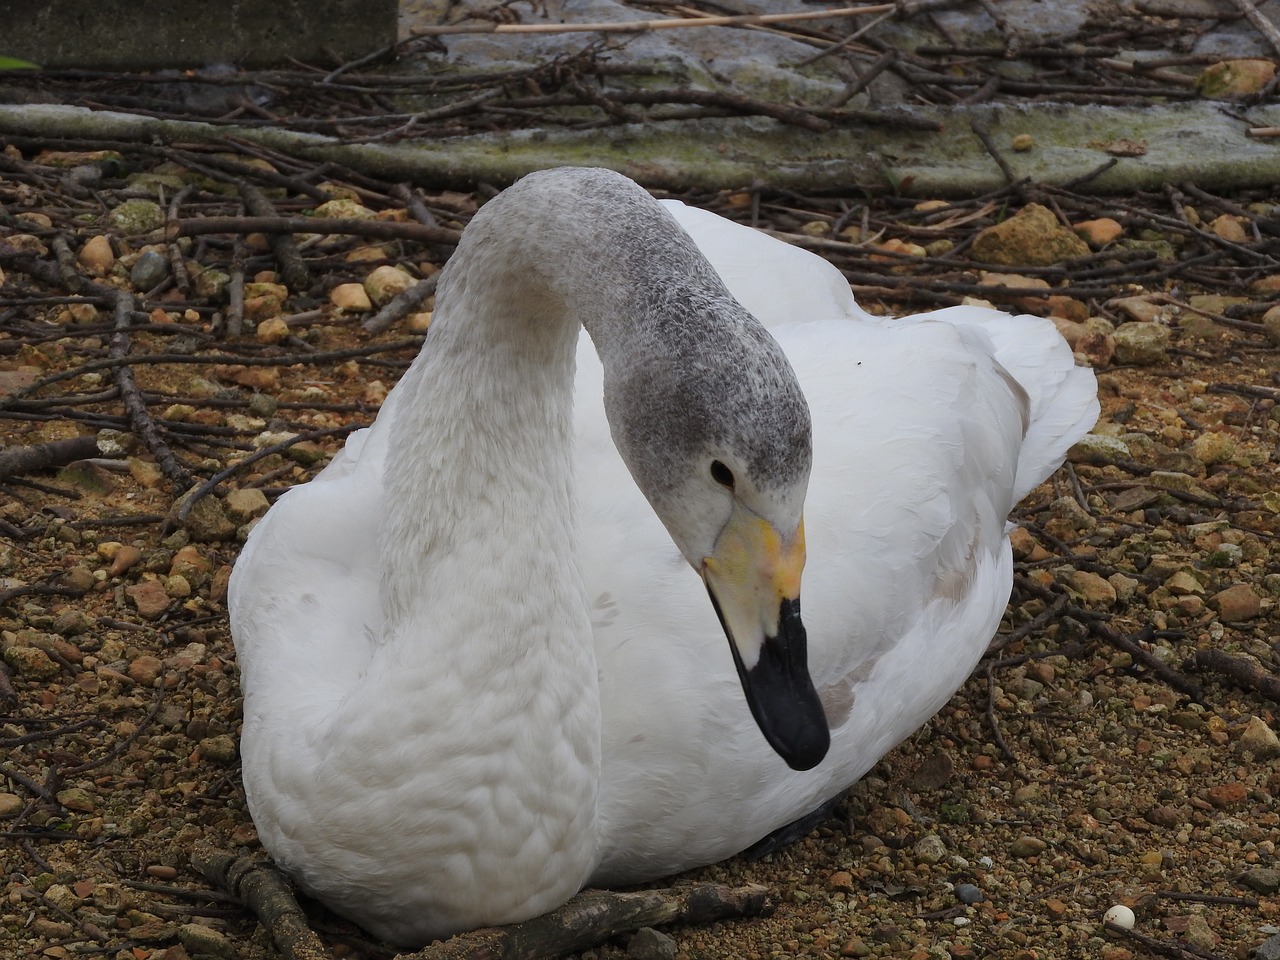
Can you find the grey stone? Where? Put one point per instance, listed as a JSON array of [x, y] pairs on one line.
[[650, 944], [1269, 949], [1265, 880], [148, 270], [1141, 343], [1096, 448], [930, 848], [136, 216], [208, 521], [199, 939]]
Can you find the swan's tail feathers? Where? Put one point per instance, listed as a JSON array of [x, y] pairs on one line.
[[1062, 397]]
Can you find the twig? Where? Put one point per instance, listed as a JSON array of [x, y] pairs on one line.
[[990, 146], [1241, 671], [1129, 645], [1205, 898], [1051, 612], [39, 590], [293, 271], [71, 278], [793, 116], [1091, 175], [38, 789], [257, 884], [177, 264], [189, 501], [109, 363], [1153, 663], [402, 305], [1168, 948], [640, 26], [885, 61], [594, 916], [41, 456], [378, 229], [235, 290], [993, 724], [139, 417], [589, 919], [124, 744]]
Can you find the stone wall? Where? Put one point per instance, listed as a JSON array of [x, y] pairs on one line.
[[126, 34]]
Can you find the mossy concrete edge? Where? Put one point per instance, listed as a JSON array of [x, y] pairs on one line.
[[1196, 141]]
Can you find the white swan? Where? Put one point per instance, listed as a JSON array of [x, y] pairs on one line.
[[477, 672]]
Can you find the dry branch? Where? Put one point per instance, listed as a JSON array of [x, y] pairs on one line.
[[378, 229], [673, 23], [57, 453], [189, 500], [293, 271], [1241, 671], [589, 919], [594, 916], [257, 884], [402, 305], [139, 417]]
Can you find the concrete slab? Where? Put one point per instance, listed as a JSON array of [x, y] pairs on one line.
[[1070, 142]]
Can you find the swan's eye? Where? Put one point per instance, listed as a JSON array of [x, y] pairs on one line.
[[721, 474]]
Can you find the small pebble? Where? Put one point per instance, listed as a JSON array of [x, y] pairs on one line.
[[1265, 880], [1260, 740], [272, 330], [96, 255], [969, 894], [149, 270], [199, 939], [1268, 949], [125, 557], [930, 848], [148, 598], [1025, 847], [160, 871], [385, 283], [650, 944], [350, 296], [1120, 916]]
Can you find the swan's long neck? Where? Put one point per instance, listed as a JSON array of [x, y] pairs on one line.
[[487, 645]]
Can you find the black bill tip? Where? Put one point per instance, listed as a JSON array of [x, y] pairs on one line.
[[781, 694]]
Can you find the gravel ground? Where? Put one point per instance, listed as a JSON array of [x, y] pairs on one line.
[[1118, 745]]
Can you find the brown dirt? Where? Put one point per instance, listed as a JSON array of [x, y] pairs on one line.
[[1068, 774]]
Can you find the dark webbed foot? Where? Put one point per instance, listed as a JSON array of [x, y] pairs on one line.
[[793, 831]]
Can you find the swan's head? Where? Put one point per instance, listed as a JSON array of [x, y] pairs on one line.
[[716, 432]]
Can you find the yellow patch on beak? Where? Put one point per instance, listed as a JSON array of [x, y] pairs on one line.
[[751, 571]]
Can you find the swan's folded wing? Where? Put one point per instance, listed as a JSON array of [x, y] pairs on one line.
[[777, 282], [1062, 397], [303, 598]]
